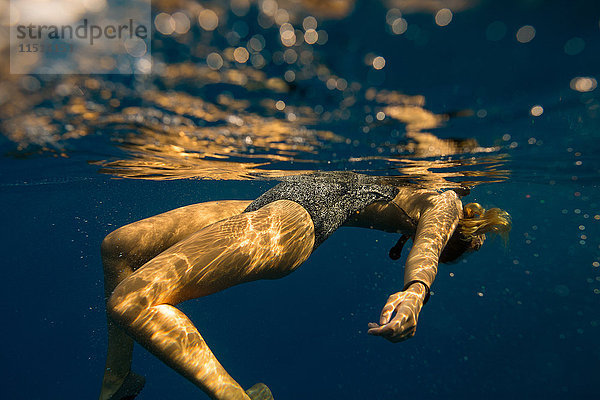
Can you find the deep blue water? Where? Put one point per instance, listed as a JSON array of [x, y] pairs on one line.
[[520, 321]]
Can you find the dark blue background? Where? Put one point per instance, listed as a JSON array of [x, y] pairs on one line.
[[533, 333]]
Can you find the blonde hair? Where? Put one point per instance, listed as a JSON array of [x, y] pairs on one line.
[[477, 221]]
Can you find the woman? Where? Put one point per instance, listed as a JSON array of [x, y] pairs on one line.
[[154, 264]]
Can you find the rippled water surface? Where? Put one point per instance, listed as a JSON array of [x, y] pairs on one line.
[[496, 97]]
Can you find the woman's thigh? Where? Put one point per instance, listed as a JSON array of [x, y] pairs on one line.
[[265, 244], [140, 241]]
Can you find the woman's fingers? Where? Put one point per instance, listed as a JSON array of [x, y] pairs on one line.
[[379, 330], [386, 314], [390, 328], [374, 329], [400, 326], [399, 329]]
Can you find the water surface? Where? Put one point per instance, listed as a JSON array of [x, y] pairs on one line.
[[473, 103]]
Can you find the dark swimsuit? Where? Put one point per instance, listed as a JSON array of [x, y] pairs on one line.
[[329, 198]]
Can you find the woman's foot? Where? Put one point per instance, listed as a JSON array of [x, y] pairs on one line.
[[260, 391], [132, 385]]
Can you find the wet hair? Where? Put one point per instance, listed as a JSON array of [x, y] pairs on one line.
[[469, 235]]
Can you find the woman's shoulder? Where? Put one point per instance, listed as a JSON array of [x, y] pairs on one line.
[[415, 201]]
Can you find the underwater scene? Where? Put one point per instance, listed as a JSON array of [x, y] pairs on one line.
[[245, 140]]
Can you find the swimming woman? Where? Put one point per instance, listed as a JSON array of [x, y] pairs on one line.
[[154, 264]]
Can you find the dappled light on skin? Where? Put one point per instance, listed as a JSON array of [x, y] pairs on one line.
[[131, 246], [194, 251], [436, 224], [264, 244], [398, 323], [437, 216], [252, 89]]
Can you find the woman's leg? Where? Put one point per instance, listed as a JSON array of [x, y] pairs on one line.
[[127, 249], [265, 244]]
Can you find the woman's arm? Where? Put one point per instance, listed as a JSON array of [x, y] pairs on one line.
[[438, 217], [436, 225]]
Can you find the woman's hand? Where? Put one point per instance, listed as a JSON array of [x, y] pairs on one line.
[[406, 305]]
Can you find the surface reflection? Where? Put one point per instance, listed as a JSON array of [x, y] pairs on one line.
[[246, 96]]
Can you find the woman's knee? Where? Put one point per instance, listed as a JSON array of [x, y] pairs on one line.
[[120, 243], [116, 245], [129, 300], [131, 245]]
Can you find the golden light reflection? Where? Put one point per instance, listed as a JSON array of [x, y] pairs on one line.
[[164, 23], [208, 20], [182, 22], [173, 133], [460, 173], [214, 61], [431, 6], [311, 36], [425, 145], [221, 117], [281, 16], [309, 23], [416, 118], [447, 173], [443, 17], [331, 9], [536, 111], [583, 84], [393, 97], [241, 55], [399, 26], [180, 136], [378, 62]]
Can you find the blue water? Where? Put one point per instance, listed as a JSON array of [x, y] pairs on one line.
[[519, 321]]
